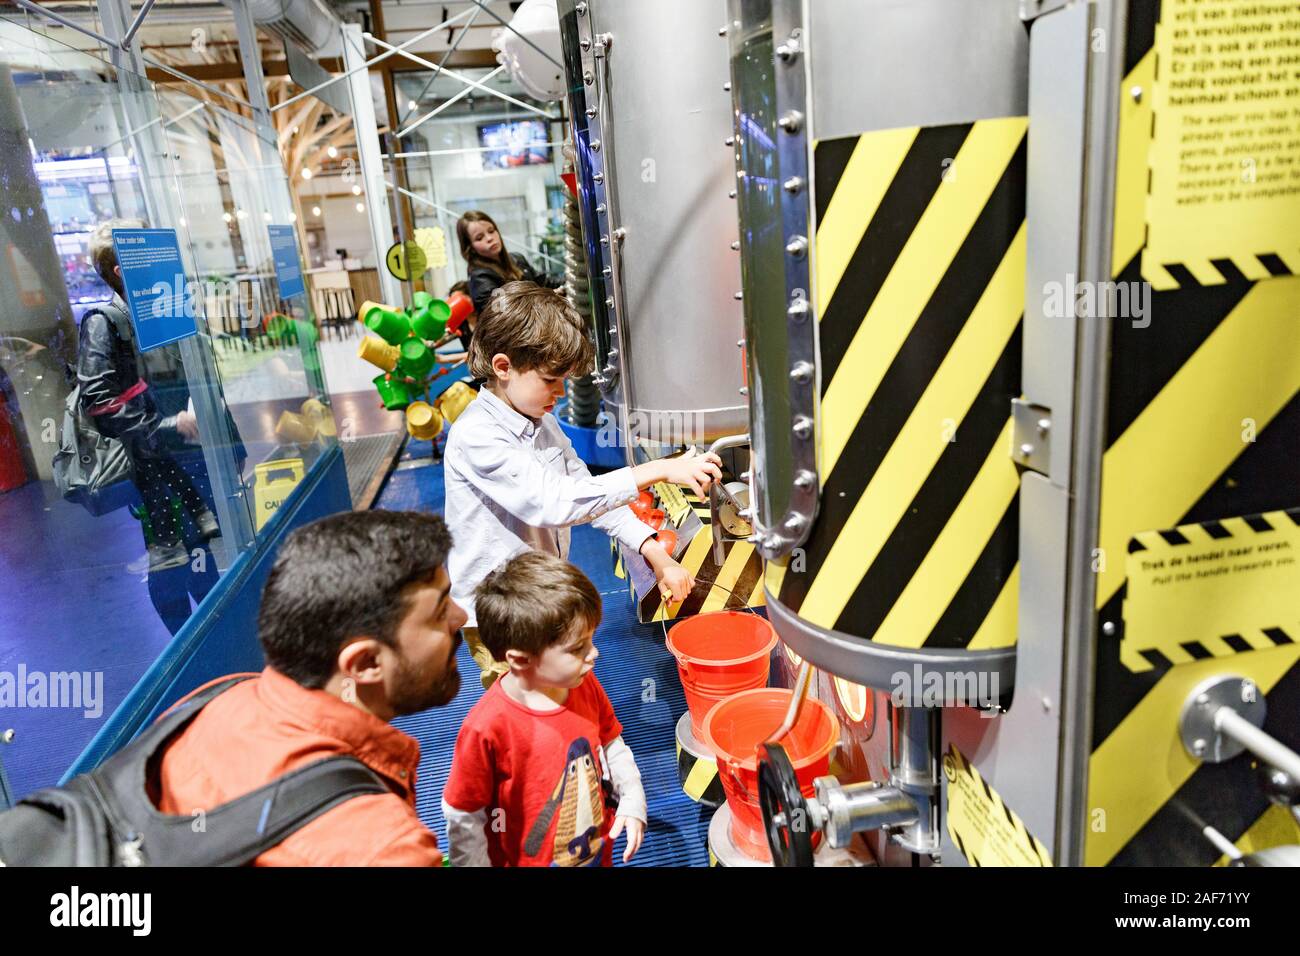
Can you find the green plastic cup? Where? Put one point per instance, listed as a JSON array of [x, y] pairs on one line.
[[420, 300], [393, 327], [394, 393], [417, 358], [431, 321]]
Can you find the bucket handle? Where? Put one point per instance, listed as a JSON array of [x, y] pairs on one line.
[[728, 766]]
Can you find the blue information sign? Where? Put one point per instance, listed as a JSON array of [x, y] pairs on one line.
[[160, 300], [288, 270]]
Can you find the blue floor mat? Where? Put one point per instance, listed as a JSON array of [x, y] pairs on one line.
[[634, 667]]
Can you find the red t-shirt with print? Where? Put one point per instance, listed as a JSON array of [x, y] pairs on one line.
[[543, 769]]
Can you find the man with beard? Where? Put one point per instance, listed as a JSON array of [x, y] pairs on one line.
[[358, 627]]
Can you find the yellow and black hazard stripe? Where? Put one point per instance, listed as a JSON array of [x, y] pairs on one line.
[[699, 778], [1143, 69], [920, 272], [1181, 391]]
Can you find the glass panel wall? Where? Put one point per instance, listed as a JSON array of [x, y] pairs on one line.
[[131, 478]]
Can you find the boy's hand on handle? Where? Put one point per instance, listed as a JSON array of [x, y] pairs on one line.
[[675, 583], [635, 831], [696, 471]]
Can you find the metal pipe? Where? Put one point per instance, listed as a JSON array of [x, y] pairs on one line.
[[1264, 746], [796, 702], [199, 83], [369, 63], [444, 105], [445, 57], [51, 15], [717, 488], [137, 24], [484, 8], [468, 81]]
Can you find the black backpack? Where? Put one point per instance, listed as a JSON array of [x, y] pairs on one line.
[[106, 818]]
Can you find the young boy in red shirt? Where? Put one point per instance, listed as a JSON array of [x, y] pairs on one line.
[[540, 758]]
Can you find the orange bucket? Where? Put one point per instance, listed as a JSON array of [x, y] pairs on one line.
[[733, 730], [720, 654]]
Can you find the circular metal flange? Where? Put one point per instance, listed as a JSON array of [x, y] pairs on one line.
[[1196, 725]]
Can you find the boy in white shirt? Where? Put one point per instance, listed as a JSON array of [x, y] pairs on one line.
[[513, 479]]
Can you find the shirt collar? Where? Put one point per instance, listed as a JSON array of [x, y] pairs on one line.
[[520, 425], [379, 745]]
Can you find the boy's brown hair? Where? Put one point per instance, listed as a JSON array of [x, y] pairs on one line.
[[531, 602], [535, 328]]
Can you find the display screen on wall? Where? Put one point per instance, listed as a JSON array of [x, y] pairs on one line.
[[521, 143]]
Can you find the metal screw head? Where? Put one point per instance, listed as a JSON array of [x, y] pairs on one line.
[[735, 245], [738, 296], [802, 372], [609, 302], [585, 43], [726, 87], [1044, 426], [731, 194], [1136, 93], [595, 146], [729, 141], [1202, 699], [1199, 747], [604, 240], [582, 9], [788, 51], [796, 522], [8, 736], [589, 77], [722, 30], [791, 121], [600, 209], [804, 480], [1026, 450], [743, 390], [797, 311], [598, 178], [740, 343], [793, 184], [591, 112], [1108, 628], [797, 247], [803, 427]]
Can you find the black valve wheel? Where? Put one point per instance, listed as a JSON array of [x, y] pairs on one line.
[[785, 814]]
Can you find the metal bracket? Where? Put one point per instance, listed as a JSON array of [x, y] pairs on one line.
[[1031, 435], [1223, 716], [1031, 9]]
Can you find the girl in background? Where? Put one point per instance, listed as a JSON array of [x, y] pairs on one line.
[[490, 266]]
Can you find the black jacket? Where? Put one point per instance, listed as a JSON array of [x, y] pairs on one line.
[[484, 281], [108, 364]]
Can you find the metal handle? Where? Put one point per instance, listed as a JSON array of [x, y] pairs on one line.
[[718, 488], [1223, 716]]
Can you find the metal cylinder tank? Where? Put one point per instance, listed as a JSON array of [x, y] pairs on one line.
[[882, 177], [651, 122]]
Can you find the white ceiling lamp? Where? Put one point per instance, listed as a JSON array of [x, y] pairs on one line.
[[306, 172], [227, 217], [361, 207], [332, 152], [315, 210], [356, 190]]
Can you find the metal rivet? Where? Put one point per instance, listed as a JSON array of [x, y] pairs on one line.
[[738, 296], [604, 240], [797, 246], [1136, 93], [1044, 425], [1108, 628], [788, 51], [804, 480], [740, 343], [743, 390], [802, 372], [730, 141], [612, 354], [731, 194], [722, 30], [585, 43], [600, 209], [791, 121], [735, 245], [582, 9], [610, 302], [1047, 703], [793, 184], [598, 178], [595, 146], [1199, 747], [726, 87], [591, 112], [607, 272], [1026, 450], [803, 427], [588, 78], [772, 541], [1202, 699], [797, 310]]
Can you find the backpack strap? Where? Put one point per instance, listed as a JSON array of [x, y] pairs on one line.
[[234, 833]]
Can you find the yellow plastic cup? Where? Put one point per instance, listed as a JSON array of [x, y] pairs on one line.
[[423, 421], [379, 353]]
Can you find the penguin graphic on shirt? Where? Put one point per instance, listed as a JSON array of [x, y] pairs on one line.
[[579, 799]]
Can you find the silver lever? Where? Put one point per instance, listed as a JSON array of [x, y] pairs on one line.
[[717, 488]]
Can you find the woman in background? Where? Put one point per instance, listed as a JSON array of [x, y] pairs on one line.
[[490, 266]]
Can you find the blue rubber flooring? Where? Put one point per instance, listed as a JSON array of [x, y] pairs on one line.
[[634, 667]]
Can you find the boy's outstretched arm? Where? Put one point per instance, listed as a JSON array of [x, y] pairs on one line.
[[466, 836], [631, 814]]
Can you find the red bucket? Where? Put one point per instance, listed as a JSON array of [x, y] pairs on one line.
[[718, 655], [733, 730], [461, 307]]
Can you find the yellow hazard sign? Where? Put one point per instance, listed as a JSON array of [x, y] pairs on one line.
[[434, 243], [673, 500], [984, 828], [1212, 589], [1225, 156]]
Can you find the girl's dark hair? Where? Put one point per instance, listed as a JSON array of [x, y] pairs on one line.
[[344, 577], [503, 265]]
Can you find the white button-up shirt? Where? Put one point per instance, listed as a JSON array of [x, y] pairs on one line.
[[514, 483]]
